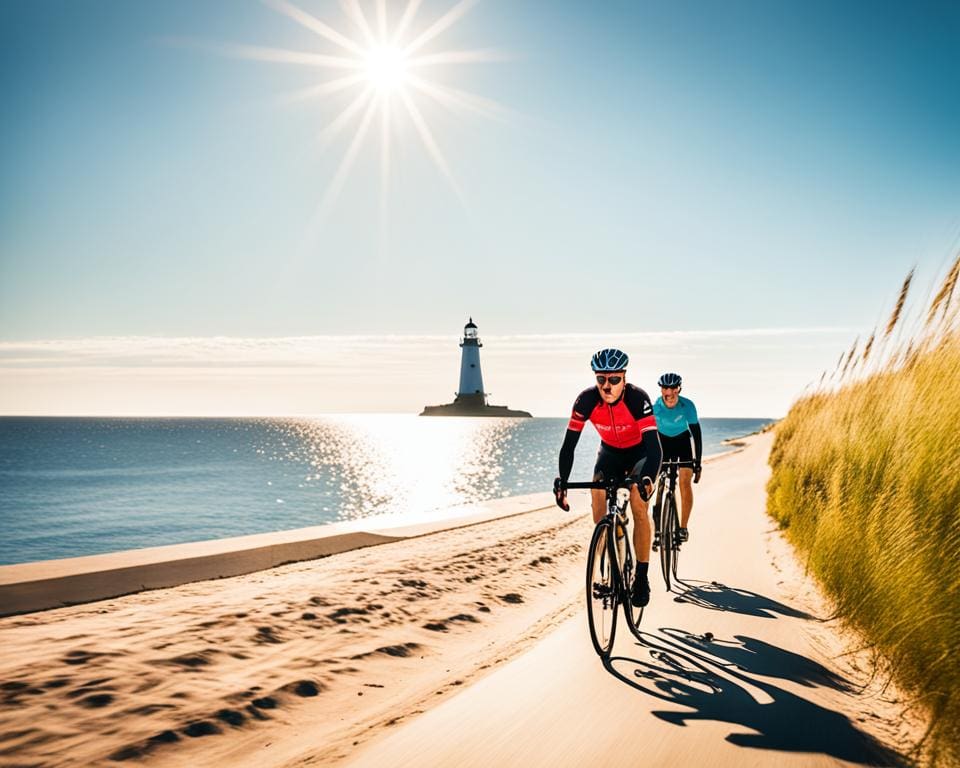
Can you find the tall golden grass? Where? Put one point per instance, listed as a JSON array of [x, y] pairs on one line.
[[866, 483]]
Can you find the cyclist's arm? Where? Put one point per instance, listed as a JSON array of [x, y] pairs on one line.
[[651, 444], [641, 409], [578, 420], [570, 441], [697, 443]]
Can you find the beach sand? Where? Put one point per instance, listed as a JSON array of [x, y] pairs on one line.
[[304, 659], [467, 646]]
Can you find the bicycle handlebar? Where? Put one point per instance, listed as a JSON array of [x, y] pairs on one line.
[[626, 482]]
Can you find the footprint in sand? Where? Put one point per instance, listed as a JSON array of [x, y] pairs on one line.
[[442, 626], [304, 688], [96, 701], [232, 717], [339, 615], [80, 657], [201, 728], [512, 597], [267, 635], [192, 660]]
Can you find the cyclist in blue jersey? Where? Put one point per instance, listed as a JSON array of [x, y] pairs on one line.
[[680, 438]]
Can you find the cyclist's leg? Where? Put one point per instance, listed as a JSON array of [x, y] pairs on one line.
[[642, 532], [607, 463], [598, 502], [684, 450], [640, 591], [686, 495], [672, 451]]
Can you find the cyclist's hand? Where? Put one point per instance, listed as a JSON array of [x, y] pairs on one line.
[[697, 469], [561, 495]]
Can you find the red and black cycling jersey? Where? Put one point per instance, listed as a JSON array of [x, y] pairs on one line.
[[626, 423], [620, 424]]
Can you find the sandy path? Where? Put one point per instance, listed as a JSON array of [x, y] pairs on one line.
[[769, 688]]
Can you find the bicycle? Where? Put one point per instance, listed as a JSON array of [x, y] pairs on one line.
[[609, 567], [666, 519]]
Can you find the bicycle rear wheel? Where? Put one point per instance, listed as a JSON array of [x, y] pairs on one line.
[[668, 517], [602, 589]]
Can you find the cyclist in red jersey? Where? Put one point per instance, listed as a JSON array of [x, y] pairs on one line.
[[623, 417]]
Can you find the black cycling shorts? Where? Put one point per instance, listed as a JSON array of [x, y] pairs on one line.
[[619, 462], [679, 447]]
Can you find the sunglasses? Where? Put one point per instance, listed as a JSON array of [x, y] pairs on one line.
[[601, 380]]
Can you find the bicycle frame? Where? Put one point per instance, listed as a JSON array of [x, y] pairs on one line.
[[616, 515], [666, 498]]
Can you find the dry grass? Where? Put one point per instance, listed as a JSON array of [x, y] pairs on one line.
[[866, 482]]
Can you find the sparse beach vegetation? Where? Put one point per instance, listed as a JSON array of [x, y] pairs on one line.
[[866, 484]]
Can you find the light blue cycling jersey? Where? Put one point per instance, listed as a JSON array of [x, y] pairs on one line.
[[677, 420]]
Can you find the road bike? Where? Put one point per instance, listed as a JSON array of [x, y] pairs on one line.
[[610, 567], [666, 519]]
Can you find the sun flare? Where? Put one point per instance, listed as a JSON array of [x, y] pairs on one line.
[[384, 65]]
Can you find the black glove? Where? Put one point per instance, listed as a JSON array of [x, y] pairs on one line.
[[697, 469], [561, 495]]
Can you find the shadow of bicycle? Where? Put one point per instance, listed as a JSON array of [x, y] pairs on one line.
[[714, 679], [719, 597]]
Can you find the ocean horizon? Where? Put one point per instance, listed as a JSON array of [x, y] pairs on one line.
[[76, 486]]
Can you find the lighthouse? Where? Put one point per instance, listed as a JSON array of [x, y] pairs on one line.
[[471, 397], [471, 378]]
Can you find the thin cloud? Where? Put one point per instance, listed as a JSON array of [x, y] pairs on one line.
[[296, 351]]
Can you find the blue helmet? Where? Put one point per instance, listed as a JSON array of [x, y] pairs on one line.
[[670, 380], [609, 360]]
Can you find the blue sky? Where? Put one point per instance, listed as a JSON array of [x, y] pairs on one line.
[[659, 167]]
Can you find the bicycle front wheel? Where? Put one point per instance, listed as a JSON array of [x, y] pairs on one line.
[[668, 517], [674, 561], [602, 589]]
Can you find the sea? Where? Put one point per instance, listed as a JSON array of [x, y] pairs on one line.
[[80, 486]]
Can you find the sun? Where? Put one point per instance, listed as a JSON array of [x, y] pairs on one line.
[[385, 66]]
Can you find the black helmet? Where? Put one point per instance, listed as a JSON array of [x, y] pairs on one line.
[[609, 360], [670, 380]]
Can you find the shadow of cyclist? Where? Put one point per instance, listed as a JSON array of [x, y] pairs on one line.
[[719, 597], [719, 690], [757, 657]]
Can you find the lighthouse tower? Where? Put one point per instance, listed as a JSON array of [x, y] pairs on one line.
[[471, 379], [471, 398]]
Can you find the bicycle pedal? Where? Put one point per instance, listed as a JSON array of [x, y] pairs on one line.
[[602, 592]]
